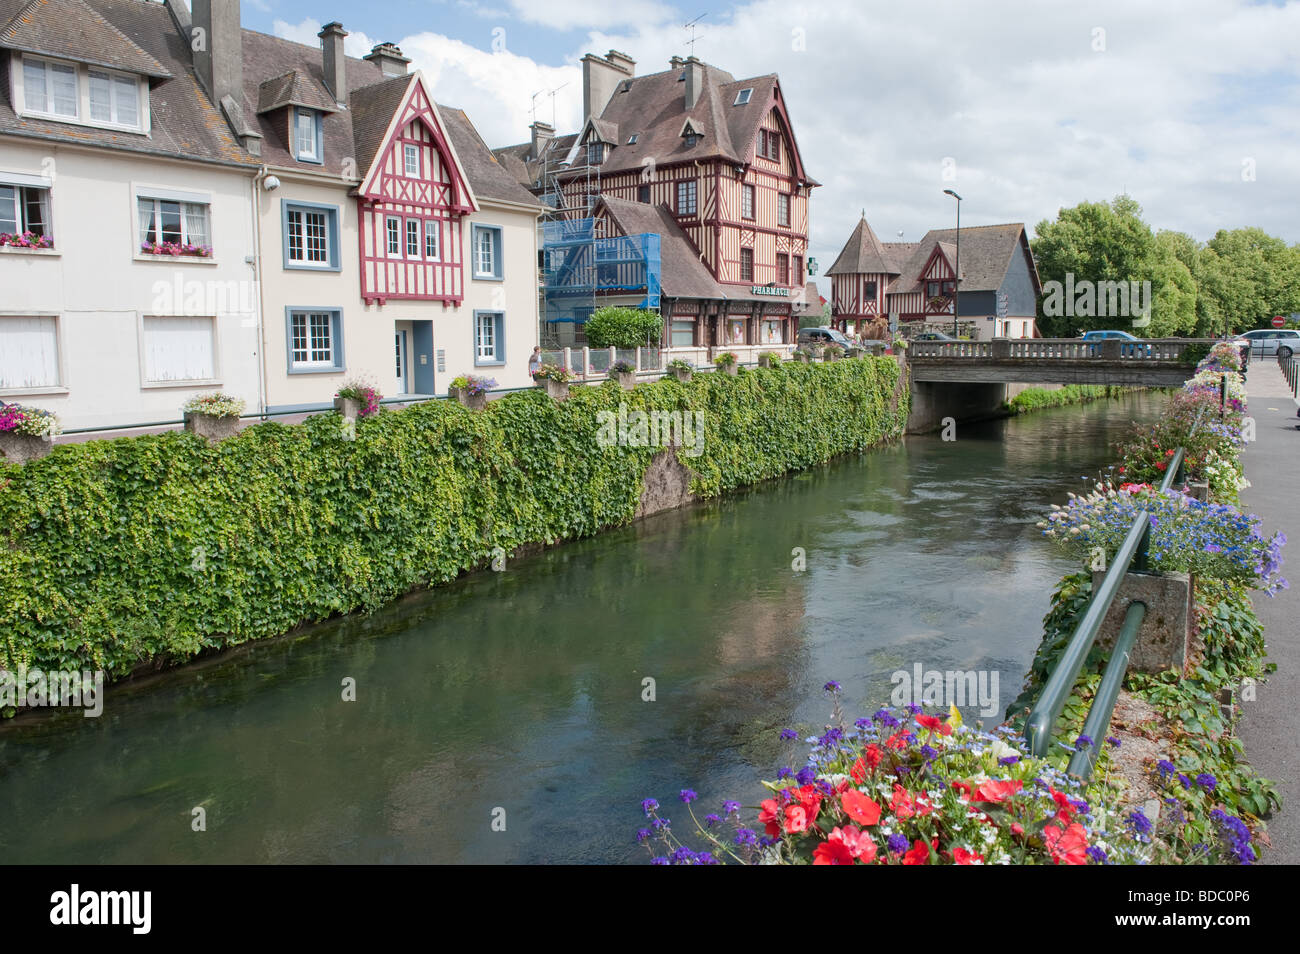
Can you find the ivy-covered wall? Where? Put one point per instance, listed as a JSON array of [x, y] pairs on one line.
[[149, 550]]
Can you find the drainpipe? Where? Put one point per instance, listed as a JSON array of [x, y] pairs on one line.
[[257, 279]]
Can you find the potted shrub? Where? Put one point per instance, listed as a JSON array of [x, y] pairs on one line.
[[555, 379], [471, 390], [624, 372], [769, 359], [26, 433], [680, 368], [214, 416], [357, 399], [832, 353], [727, 362]]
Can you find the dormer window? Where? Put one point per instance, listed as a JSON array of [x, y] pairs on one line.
[[411, 159], [691, 139], [114, 99], [595, 153], [743, 97], [307, 146], [631, 140], [74, 93], [49, 88]]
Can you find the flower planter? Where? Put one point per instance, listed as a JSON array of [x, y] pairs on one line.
[[626, 379], [348, 407], [20, 448], [475, 402], [766, 362], [803, 357], [210, 426], [681, 374], [559, 390], [828, 357], [730, 368]]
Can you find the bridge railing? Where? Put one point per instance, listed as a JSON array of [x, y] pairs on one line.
[[1058, 349], [1057, 689]]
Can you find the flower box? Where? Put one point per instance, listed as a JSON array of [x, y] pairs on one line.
[[20, 448], [175, 250], [626, 379], [554, 389], [26, 240], [681, 374], [214, 427], [350, 408], [475, 402]]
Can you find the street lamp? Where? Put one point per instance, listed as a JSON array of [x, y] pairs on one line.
[[956, 288]]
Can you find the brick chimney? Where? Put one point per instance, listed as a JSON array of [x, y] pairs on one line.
[[694, 81], [218, 48], [600, 77], [543, 133], [676, 63], [389, 59], [334, 61]]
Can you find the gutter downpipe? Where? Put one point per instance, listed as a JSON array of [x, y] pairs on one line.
[[257, 279]]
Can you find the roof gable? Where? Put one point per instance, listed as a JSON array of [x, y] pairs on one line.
[[862, 254], [72, 30], [294, 88]]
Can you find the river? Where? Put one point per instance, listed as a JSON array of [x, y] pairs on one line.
[[519, 697]]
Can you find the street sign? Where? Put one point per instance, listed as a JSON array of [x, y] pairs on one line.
[[1278, 321]]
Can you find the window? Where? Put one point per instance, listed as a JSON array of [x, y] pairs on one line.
[[686, 197], [177, 349], [782, 268], [315, 340], [948, 288], [489, 337], [783, 209], [172, 221], [29, 353], [769, 331], [931, 289], [595, 153], [683, 332], [746, 264], [24, 209], [114, 99], [311, 236], [747, 202], [393, 230], [433, 240], [769, 144], [631, 140], [798, 269], [869, 291], [413, 229], [487, 252], [50, 88], [743, 97], [411, 159], [643, 194], [307, 135]]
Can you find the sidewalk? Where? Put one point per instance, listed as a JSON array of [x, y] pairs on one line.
[[1270, 726]]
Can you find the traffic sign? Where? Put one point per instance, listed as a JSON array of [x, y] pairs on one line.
[[1278, 321]]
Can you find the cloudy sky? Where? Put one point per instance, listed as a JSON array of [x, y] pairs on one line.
[[1021, 106]]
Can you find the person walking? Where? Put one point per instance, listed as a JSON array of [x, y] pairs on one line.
[[535, 362]]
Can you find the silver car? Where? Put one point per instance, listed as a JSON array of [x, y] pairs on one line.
[[1267, 342]]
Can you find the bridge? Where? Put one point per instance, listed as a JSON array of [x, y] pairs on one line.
[[967, 380]]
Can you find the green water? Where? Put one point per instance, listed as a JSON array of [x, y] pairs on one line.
[[523, 690]]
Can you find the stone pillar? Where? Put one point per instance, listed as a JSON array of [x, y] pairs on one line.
[[1164, 640]]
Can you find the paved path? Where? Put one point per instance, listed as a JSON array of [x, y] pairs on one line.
[[1270, 727]]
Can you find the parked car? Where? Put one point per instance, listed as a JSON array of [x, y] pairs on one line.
[[1110, 335], [933, 336], [822, 336], [1267, 342]]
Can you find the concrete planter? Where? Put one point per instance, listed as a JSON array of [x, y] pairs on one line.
[[803, 357], [680, 374], [764, 361], [210, 426], [626, 379], [1165, 639], [559, 390], [731, 368], [475, 402], [20, 448], [829, 356], [348, 407]]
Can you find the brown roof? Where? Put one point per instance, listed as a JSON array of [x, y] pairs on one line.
[[73, 30], [487, 177], [986, 252], [183, 122], [294, 88], [372, 108], [682, 274], [862, 254]]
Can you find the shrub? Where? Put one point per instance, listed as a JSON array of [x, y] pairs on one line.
[[473, 384], [617, 327], [622, 367], [726, 358], [679, 364]]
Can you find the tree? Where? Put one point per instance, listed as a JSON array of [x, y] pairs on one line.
[[1255, 276], [614, 326]]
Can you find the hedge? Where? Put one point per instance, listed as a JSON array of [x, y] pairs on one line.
[[1034, 399], [153, 549]]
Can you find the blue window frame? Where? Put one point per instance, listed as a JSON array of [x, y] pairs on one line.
[[308, 143], [486, 250], [311, 235], [313, 339], [489, 338]]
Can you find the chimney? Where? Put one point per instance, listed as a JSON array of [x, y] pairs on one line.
[[600, 77], [543, 133], [676, 63], [336, 66], [218, 49], [389, 59], [694, 81]]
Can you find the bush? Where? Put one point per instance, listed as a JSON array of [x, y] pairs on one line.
[[152, 549], [615, 327]]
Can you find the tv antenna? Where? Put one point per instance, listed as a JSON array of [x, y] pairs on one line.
[[691, 26], [549, 92]]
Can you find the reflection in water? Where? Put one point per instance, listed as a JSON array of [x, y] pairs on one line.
[[523, 690]]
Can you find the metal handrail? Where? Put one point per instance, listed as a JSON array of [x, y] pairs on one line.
[[1043, 716]]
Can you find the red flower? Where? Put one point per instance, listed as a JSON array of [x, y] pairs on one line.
[[960, 856], [905, 806], [898, 740], [844, 846], [861, 809], [1161, 465], [859, 772], [1017, 828], [920, 853], [1068, 847], [796, 819], [832, 853], [1065, 811], [997, 792], [934, 724], [768, 815], [963, 789], [874, 755]]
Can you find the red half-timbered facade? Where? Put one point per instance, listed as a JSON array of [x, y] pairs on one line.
[[410, 208]]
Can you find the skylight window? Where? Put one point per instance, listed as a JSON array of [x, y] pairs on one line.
[[631, 140], [743, 96]]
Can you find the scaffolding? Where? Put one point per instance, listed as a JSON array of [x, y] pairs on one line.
[[580, 272]]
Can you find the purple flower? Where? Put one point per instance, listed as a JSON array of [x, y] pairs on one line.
[[1186, 782], [1009, 760], [1113, 741], [659, 824], [731, 808], [806, 775], [649, 805], [783, 772], [897, 843], [746, 836], [1083, 742], [642, 834], [1206, 781], [832, 686], [711, 820], [1139, 822], [659, 861], [1166, 768], [788, 735], [1097, 854], [687, 796], [929, 753]]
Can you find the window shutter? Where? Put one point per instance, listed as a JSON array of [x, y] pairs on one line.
[[29, 355], [498, 264], [500, 336], [178, 349]]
